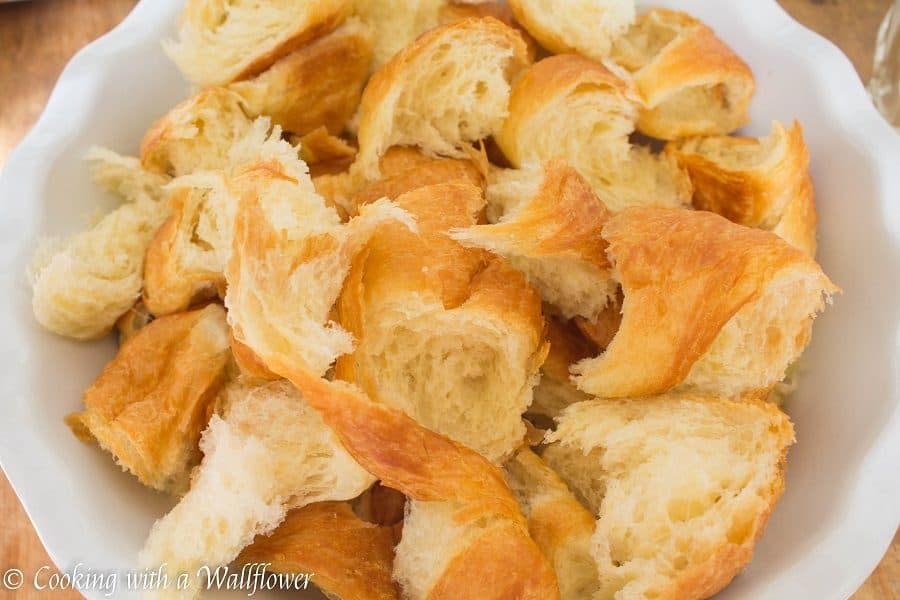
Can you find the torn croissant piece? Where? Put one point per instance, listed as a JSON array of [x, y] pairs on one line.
[[269, 453], [556, 389], [683, 486], [449, 335], [558, 523], [347, 557], [186, 259], [317, 85], [83, 284], [197, 134], [566, 106], [758, 182], [290, 254], [406, 169], [586, 27], [571, 107], [152, 400], [691, 83], [500, 10], [124, 176], [462, 524], [221, 42], [441, 93], [708, 306], [553, 238]]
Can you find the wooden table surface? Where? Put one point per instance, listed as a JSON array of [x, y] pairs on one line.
[[37, 38]]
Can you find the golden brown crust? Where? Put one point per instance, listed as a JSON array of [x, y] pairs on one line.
[[324, 153], [170, 285], [485, 571], [684, 274], [136, 318], [558, 523], [499, 10], [151, 402], [556, 390], [398, 262], [336, 189], [323, 16], [554, 238], [406, 169], [318, 85], [563, 219], [375, 127], [418, 462], [755, 182], [546, 84], [695, 59], [431, 468], [347, 557], [799, 222]]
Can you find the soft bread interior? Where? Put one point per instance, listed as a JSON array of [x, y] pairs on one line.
[[682, 486], [81, 285], [553, 238], [397, 23], [439, 97], [220, 41], [290, 254], [186, 260], [197, 134], [464, 375], [506, 188], [432, 538], [763, 339], [269, 453], [449, 335], [587, 27], [564, 105], [124, 176]]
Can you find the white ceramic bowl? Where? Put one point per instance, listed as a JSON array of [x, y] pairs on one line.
[[842, 502]]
